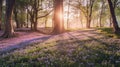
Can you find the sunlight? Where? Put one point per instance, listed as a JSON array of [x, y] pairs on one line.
[[60, 15], [73, 17], [59, 33]]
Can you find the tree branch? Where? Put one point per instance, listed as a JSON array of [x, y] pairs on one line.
[[45, 15]]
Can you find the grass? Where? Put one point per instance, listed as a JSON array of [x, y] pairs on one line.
[[69, 53], [99, 52], [108, 32]]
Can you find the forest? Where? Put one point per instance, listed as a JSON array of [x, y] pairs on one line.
[[59, 33]]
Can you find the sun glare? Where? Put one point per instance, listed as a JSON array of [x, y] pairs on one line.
[[60, 15]]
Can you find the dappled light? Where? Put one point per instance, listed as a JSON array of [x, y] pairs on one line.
[[59, 33]]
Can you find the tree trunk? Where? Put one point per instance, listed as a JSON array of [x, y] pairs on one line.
[[88, 22], [89, 12], [0, 13], [101, 13], [32, 21], [87, 16], [46, 19], [35, 15], [16, 18], [9, 31], [27, 19], [110, 21], [36, 20], [68, 15], [114, 20], [58, 17]]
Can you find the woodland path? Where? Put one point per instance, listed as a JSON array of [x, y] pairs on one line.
[[27, 38]]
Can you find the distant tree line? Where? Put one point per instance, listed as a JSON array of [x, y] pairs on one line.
[[26, 13]]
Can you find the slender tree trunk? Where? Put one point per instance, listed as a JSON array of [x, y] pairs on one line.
[[32, 21], [9, 31], [97, 22], [16, 18], [87, 16], [110, 21], [1, 13], [114, 20], [27, 19], [81, 19], [46, 19], [68, 15], [101, 12], [58, 17]]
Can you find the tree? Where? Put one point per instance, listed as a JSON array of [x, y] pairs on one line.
[[16, 12], [37, 10], [86, 7], [89, 12], [36, 7], [101, 12], [115, 4], [114, 20], [33, 12], [20, 12], [9, 31], [58, 17], [68, 14], [16, 17], [0, 13]]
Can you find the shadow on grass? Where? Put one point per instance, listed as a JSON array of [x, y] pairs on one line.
[[106, 55], [24, 44], [72, 52]]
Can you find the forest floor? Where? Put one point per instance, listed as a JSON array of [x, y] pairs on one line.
[[83, 47], [22, 40], [26, 38]]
